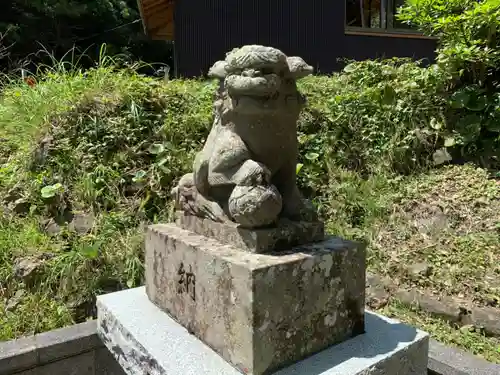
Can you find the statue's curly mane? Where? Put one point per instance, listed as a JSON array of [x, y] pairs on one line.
[[255, 57]]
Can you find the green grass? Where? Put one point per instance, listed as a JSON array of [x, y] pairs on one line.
[[448, 219], [464, 338], [64, 286], [109, 144]]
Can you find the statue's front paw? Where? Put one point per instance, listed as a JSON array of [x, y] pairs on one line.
[[260, 178], [253, 173]]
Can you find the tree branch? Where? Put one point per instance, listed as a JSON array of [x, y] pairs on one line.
[[3, 47]]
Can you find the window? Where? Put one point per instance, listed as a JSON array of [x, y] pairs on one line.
[[374, 14]]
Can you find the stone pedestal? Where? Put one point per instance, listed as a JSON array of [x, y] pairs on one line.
[[286, 235], [145, 340], [260, 312]]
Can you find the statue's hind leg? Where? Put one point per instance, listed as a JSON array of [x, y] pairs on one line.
[[189, 200], [295, 207]]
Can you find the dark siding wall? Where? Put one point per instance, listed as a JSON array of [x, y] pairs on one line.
[[207, 29], [365, 47], [312, 29], [307, 28]]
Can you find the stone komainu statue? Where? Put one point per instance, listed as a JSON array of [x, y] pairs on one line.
[[246, 172]]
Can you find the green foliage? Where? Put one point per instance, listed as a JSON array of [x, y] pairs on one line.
[[58, 26], [78, 267], [376, 115], [128, 142], [106, 143], [469, 53], [51, 191]]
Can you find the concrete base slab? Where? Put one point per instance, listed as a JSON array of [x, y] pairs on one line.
[[145, 340]]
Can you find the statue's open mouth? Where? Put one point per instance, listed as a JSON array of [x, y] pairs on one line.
[[253, 94], [251, 104]]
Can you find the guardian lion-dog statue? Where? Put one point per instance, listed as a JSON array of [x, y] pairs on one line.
[[246, 171]]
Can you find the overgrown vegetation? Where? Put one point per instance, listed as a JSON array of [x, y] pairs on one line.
[[472, 341], [469, 54], [35, 27], [87, 159]]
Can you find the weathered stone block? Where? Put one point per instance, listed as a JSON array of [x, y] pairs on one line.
[[284, 236], [260, 312]]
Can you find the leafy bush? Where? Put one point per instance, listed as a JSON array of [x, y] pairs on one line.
[[129, 149], [59, 26], [132, 136], [374, 116], [469, 53], [104, 146]]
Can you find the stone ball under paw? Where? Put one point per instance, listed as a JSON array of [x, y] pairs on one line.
[[255, 206]]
